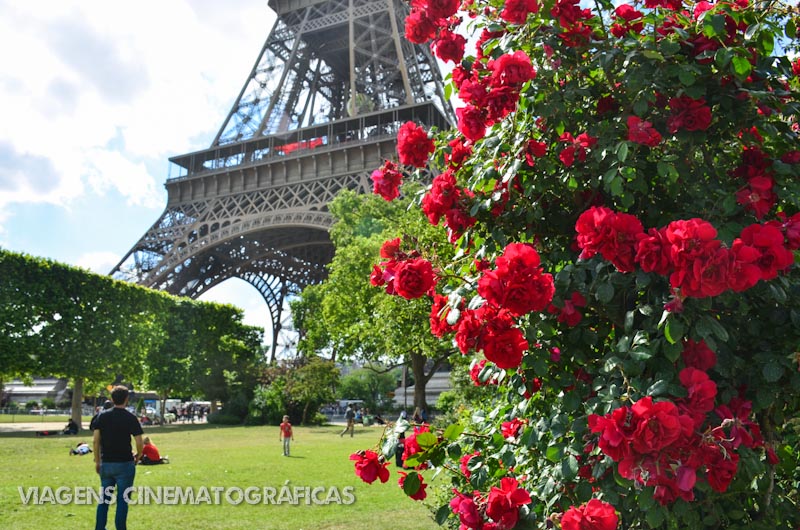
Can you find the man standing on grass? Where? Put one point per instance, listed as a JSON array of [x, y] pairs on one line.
[[350, 416], [113, 459]]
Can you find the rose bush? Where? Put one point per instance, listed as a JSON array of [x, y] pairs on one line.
[[623, 189]]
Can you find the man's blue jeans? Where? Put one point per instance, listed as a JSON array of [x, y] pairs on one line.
[[119, 474]]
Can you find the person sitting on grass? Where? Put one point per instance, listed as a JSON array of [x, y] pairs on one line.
[[81, 449], [150, 455], [71, 428]]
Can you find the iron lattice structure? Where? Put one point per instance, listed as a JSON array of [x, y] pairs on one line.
[[318, 113]]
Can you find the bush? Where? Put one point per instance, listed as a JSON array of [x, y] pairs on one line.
[[623, 189], [221, 418]]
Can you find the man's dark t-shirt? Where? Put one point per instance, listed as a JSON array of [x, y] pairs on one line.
[[116, 428]]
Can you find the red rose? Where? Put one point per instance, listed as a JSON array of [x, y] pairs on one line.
[[450, 46], [758, 196], [516, 11], [391, 248], [369, 466], [594, 515], [744, 273], [505, 348], [441, 8], [464, 463], [701, 392], [411, 446], [511, 70], [413, 278], [768, 240], [612, 235], [705, 274], [615, 432], [418, 495], [698, 355], [438, 317], [500, 102], [504, 502], [386, 181], [656, 425], [721, 468], [652, 252], [510, 429], [419, 28], [688, 113], [442, 196], [642, 132], [471, 122], [467, 511], [468, 330], [413, 145], [535, 150]]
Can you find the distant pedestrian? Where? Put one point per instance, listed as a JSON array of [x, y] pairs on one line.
[[113, 459], [286, 435], [350, 417]]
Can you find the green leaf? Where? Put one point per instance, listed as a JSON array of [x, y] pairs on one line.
[[652, 54], [672, 351], [659, 388], [453, 431], [411, 483], [687, 77], [772, 372], [605, 293], [442, 514], [654, 516], [791, 28], [569, 468], [554, 453], [622, 151], [723, 57], [751, 30], [426, 440], [673, 331], [741, 66]]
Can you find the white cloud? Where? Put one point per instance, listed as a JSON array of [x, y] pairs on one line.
[[98, 262], [88, 84]]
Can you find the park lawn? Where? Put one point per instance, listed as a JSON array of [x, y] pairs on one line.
[[38, 418], [212, 456]]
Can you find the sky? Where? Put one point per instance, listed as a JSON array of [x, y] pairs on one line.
[[95, 96]]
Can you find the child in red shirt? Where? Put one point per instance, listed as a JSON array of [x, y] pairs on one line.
[[286, 435]]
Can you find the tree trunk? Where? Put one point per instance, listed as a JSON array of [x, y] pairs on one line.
[[77, 399], [418, 369], [305, 413]]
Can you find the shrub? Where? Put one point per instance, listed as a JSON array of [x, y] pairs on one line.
[[623, 188]]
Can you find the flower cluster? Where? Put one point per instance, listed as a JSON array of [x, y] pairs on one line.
[[688, 251], [661, 137], [498, 510], [669, 444], [404, 274]]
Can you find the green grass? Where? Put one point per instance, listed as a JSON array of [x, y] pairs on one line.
[[210, 456], [38, 418]]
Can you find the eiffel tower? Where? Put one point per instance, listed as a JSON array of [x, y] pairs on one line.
[[318, 113]]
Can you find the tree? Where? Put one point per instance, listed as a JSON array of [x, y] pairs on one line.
[[311, 385], [168, 366], [371, 385], [623, 188], [353, 320]]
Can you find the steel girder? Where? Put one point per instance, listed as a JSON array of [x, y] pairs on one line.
[[318, 113]]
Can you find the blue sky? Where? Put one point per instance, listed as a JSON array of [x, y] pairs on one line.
[[95, 96]]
